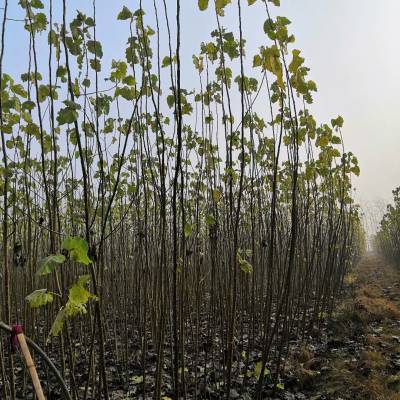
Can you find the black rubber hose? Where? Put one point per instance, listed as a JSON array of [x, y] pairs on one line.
[[45, 358]]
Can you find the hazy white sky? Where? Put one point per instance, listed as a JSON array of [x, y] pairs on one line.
[[353, 50], [351, 47]]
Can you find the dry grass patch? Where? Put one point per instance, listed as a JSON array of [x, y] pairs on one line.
[[373, 360], [378, 308], [304, 354]]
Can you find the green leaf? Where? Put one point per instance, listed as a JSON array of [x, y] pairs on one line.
[[251, 2], [188, 230], [37, 4], [210, 220], [72, 105], [58, 323], [86, 83], [19, 90], [269, 28], [203, 5], [166, 62], [355, 170], [280, 386], [220, 5], [244, 265], [125, 14], [78, 249], [39, 298], [67, 116], [128, 93], [257, 370], [28, 105], [95, 47], [257, 61], [78, 297], [95, 65], [297, 61], [216, 196], [78, 293], [137, 379], [44, 92], [170, 100], [272, 63], [49, 263], [129, 80], [275, 2], [338, 122]]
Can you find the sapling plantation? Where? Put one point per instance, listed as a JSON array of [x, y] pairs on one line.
[[386, 241], [163, 241]]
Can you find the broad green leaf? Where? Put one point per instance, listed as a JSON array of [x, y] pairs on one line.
[[127, 92], [19, 90], [67, 116], [334, 153], [297, 61], [203, 5], [95, 65], [39, 298], [257, 61], [338, 122], [78, 293], [95, 47], [129, 80], [355, 170], [170, 100], [78, 249], [244, 265], [73, 309], [49, 263], [280, 386], [36, 4], [220, 5], [78, 297], [125, 14], [61, 71], [58, 323], [272, 63], [269, 28], [166, 62], [137, 379], [257, 370], [86, 83], [28, 105], [336, 140]]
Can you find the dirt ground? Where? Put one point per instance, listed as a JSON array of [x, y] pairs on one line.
[[361, 356]]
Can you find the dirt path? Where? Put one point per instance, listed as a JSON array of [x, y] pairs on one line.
[[361, 356]]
